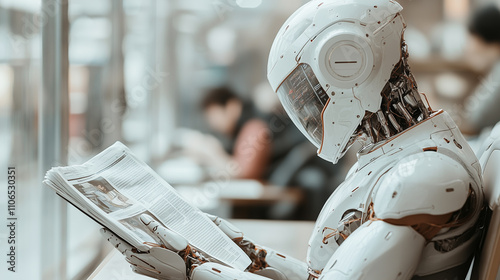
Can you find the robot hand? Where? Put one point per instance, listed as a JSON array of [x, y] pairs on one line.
[[174, 259], [265, 261], [157, 262]]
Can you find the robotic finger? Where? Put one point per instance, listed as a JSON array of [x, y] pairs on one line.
[[170, 239], [226, 227], [270, 263], [166, 262], [132, 255], [120, 244]]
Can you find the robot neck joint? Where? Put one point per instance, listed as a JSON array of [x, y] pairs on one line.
[[402, 106]]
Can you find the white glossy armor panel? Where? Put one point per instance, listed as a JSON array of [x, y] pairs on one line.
[[424, 183], [356, 193], [389, 252]]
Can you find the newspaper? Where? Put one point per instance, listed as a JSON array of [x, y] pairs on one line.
[[114, 188]]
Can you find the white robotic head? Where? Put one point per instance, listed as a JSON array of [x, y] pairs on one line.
[[329, 63]]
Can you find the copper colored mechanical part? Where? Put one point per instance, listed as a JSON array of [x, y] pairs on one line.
[[346, 227], [402, 106], [192, 258], [427, 225], [256, 254], [430, 225], [313, 274]]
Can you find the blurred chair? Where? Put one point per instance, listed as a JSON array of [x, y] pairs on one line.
[[302, 167], [293, 161]]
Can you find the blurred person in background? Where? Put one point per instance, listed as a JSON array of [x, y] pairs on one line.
[[483, 54], [256, 140], [247, 148]]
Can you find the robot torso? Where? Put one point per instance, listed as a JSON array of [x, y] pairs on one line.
[[352, 202]]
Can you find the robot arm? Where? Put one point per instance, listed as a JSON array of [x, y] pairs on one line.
[[266, 261], [174, 259], [376, 251], [420, 196]]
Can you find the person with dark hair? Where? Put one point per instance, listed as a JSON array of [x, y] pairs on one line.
[[483, 54], [485, 24], [247, 155]]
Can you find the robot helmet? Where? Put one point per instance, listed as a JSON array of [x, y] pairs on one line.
[[329, 64]]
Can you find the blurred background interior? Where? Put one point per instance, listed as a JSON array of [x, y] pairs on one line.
[[183, 84]]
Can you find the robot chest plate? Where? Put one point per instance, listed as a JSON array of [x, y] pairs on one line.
[[344, 211]]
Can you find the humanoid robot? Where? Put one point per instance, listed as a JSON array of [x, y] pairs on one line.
[[410, 208]]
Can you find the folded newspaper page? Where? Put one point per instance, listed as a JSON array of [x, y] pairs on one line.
[[115, 188]]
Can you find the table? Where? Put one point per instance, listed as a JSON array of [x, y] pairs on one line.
[[288, 237]]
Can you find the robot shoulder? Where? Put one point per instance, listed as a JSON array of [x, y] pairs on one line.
[[425, 183]]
